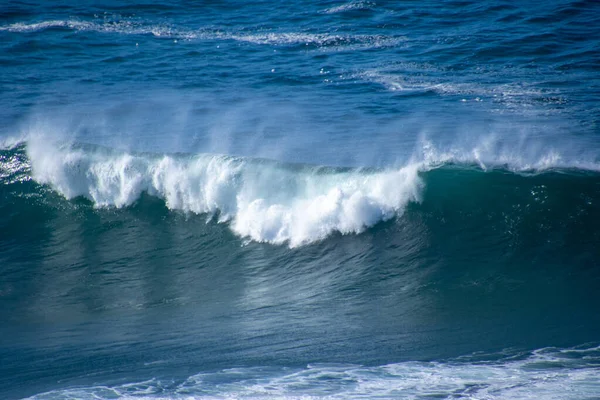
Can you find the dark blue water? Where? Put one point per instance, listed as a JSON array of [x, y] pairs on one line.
[[283, 200]]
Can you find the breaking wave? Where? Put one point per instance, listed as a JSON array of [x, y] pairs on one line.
[[262, 200]]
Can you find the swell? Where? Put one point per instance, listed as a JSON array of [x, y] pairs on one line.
[[267, 201]]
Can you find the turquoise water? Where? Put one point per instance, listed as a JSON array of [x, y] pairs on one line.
[[299, 200]]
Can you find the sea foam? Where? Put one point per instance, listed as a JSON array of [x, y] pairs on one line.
[[545, 373], [165, 31]]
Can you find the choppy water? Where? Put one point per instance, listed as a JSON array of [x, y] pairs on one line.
[[324, 199]]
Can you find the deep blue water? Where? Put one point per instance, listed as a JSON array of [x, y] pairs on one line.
[[269, 199]]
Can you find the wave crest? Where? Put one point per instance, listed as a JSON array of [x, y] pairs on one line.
[[263, 201]]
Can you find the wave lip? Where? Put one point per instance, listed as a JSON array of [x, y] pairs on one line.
[[262, 201]]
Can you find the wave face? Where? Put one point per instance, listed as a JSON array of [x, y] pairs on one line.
[[444, 267]]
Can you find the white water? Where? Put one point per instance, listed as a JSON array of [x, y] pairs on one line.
[[263, 201], [544, 374]]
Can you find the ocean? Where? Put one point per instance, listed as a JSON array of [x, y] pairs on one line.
[[323, 199]]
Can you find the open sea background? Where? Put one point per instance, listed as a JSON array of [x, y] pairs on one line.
[[321, 199]]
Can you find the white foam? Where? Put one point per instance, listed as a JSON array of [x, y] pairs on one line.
[[292, 38], [136, 27], [511, 95], [394, 82], [265, 202], [544, 374], [38, 26], [351, 6]]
